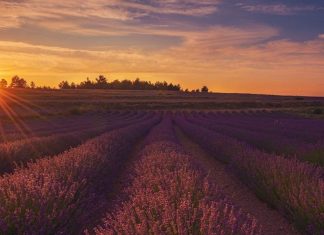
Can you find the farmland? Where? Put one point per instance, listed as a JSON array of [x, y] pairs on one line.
[[34, 103], [151, 162]]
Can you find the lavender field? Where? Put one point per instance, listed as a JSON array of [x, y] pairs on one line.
[[161, 117], [163, 172]]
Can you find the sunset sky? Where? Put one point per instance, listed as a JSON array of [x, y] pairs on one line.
[[255, 46]]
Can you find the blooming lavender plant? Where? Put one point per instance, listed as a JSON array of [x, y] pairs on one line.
[[269, 142], [171, 194], [293, 187], [48, 196], [22, 151]]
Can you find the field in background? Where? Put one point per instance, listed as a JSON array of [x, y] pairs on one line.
[[32, 103]]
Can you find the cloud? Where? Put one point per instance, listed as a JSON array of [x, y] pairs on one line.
[[218, 45], [73, 40], [99, 17], [15, 13], [179, 7], [206, 51], [197, 46], [226, 58], [23, 11], [277, 9]]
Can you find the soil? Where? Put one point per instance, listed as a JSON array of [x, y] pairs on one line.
[[114, 191]]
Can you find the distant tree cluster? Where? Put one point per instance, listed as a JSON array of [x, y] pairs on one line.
[[102, 83], [16, 82], [204, 89]]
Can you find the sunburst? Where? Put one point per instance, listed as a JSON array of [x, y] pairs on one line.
[[9, 105]]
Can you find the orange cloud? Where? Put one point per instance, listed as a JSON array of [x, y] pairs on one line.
[[15, 13]]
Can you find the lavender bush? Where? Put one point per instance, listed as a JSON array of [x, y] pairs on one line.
[[22, 151], [171, 194], [48, 196], [293, 187]]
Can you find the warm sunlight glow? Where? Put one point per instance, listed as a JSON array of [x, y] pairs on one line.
[[7, 101], [188, 42]]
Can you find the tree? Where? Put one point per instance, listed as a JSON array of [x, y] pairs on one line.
[[137, 84], [88, 84], [32, 85], [72, 86], [115, 84], [3, 83], [64, 85], [126, 84], [102, 82], [204, 89], [174, 87], [17, 82]]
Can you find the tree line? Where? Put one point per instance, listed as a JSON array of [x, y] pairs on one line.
[[18, 82], [101, 83]]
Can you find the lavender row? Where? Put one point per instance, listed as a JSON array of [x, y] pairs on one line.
[[295, 188], [20, 152], [170, 193], [264, 141], [288, 147], [58, 126], [42, 124], [50, 196], [307, 130]]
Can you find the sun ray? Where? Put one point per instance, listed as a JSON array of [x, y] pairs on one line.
[[36, 110], [15, 119], [24, 104]]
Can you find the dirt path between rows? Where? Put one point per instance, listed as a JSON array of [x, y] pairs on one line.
[[115, 190], [273, 223]]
